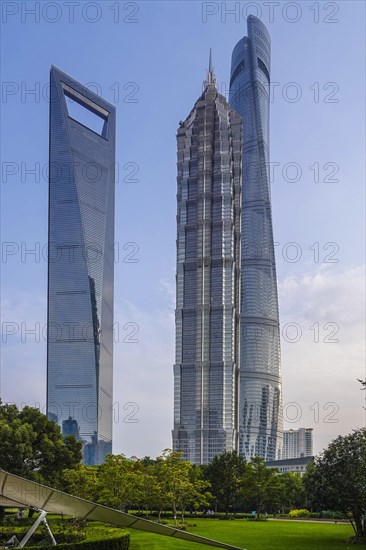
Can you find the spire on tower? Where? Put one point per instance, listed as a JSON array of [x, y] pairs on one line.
[[211, 79]]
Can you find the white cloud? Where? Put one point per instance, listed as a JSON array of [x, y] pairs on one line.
[[321, 376]]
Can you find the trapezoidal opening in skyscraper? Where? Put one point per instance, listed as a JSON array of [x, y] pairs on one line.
[[86, 112]]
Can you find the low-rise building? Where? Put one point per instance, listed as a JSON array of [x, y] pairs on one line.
[[295, 465]]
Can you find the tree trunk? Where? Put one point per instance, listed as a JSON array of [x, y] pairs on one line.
[[175, 514], [359, 527]]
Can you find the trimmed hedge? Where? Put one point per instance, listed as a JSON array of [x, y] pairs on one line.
[[301, 513], [38, 538], [70, 534], [188, 516], [120, 543]]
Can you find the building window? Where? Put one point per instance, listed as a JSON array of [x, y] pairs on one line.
[[263, 68]]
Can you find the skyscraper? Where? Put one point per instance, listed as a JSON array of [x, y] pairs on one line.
[[81, 264], [208, 278], [260, 394]]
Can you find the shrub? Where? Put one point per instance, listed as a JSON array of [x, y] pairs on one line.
[[120, 542], [13, 520], [70, 534], [329, 514], [162, 521], [302, 513]]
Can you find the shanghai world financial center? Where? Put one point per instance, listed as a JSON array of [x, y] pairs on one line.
[[227, 379], [81, 267]]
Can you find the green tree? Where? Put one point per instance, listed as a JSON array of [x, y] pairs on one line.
[[225, 474], [118, 482], [150, 492], [337, 479], [291, 492], [156, 493], [261, 486], [177, 482], [82, 482], [33, 446], [148, 461]]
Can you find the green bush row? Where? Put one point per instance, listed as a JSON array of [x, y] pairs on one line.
[[217, 515], [39, 537], [304, 513], [117, 542]]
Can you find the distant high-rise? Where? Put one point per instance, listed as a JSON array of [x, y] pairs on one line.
[[260, 394], [81, 265], [208, 278], [297, 443]]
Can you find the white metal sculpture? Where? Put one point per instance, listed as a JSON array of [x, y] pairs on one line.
[[17, 491]]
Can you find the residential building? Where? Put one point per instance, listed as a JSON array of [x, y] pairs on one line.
[[297, 443]]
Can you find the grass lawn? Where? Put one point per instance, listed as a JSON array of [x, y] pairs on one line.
[[251, 535], [270, 535]]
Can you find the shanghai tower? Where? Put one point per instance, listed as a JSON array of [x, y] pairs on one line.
[[260, 394], [208, 278], [81, 265]]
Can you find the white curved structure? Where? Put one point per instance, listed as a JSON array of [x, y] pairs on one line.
[[17, 491]]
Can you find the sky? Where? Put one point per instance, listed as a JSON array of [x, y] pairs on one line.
[[149, 59]]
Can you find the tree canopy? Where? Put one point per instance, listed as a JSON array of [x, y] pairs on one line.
[[261, 487], [180, 483], [33, 446], [337, 479], [225, 473]]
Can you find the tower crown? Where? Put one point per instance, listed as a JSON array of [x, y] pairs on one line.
[[211, 78]]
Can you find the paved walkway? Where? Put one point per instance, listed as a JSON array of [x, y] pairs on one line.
[[305, 520]]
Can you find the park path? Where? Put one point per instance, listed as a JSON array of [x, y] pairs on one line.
[[341, 521]]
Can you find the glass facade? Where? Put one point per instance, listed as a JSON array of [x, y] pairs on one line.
[[260, 394], [297, 443], [208, 278], [81, 267]]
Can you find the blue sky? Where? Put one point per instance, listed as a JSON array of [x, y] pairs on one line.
[[156, 53]]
